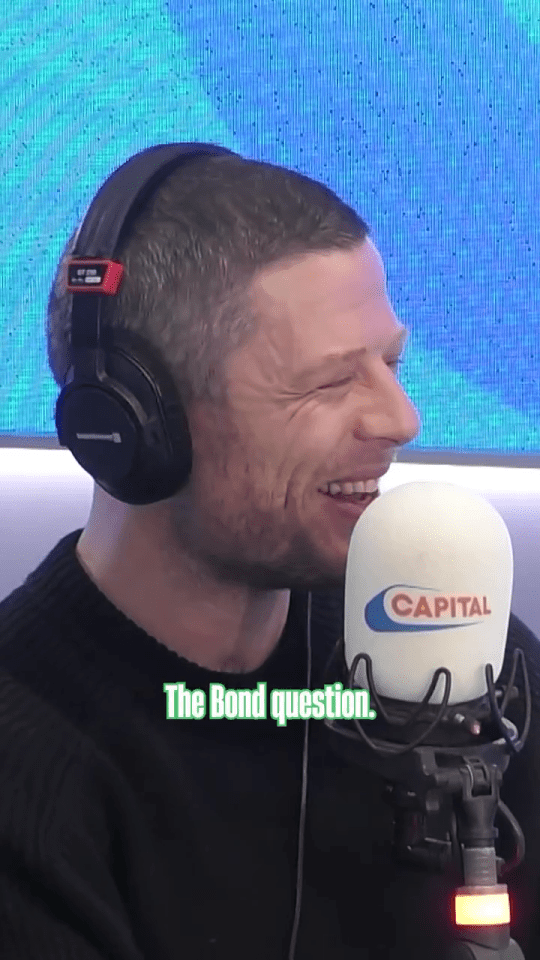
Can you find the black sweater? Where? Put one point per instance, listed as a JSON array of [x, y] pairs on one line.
[[125, 835]]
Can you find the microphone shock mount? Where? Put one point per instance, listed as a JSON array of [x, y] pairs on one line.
[[443, 767]]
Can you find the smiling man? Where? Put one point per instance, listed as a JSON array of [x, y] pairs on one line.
[[313, 399], [133, 825]]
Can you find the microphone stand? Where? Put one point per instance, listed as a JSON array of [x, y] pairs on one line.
[[455, 783]]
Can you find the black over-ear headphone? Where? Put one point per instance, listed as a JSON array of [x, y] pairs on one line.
[[119, 411]]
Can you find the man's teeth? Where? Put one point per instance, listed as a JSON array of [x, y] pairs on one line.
[[360, 486]]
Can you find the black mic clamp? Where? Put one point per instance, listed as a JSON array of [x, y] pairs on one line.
[[443, 769]]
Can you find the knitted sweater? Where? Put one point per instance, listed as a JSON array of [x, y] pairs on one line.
[[126, 835]]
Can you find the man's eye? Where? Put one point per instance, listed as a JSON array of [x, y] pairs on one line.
[[328, 386], [340, 383]]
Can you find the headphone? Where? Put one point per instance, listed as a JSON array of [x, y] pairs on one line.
[[119, 411]]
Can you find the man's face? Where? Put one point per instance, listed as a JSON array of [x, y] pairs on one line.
[[252, 512]]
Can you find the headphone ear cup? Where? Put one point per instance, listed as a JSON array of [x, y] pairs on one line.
[[128, 429], [96, 425]]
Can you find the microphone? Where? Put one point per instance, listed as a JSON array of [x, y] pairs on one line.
[[428, 589]]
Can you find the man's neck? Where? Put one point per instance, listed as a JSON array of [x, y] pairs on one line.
[[221, 630]]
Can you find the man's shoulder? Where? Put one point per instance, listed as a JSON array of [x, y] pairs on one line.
[[32, 731], [34, 649], [34, 726], [519, 635], [51, 776], [42, 690]]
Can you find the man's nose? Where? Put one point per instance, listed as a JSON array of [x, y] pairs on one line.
[[393, 416]]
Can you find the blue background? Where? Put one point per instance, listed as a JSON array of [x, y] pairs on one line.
[[424, 116]]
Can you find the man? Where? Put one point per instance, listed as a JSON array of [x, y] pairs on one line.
[[131, 836]]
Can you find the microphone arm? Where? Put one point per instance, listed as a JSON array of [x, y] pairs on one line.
[[451, 790]]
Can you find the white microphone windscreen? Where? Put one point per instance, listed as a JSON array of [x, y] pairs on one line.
[[428, 584]]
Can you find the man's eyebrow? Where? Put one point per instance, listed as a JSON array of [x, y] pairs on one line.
[[333, 360]]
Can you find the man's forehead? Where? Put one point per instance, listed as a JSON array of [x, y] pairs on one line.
[[339, 282]]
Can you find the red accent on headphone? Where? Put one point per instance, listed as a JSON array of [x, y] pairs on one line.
[[94, 276]]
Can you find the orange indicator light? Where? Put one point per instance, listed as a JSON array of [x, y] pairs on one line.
[[482, 910]]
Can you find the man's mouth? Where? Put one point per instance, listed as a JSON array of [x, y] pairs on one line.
[[359, 491]]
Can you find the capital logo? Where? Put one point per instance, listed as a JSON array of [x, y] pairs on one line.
[[422, 607]]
